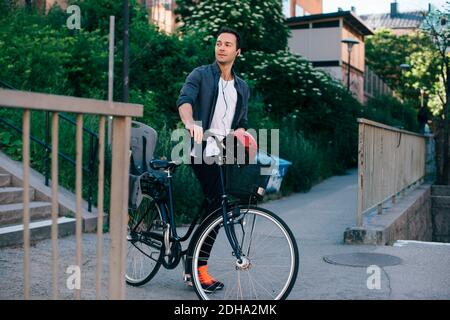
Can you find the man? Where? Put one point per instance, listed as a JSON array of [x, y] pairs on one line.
[[422, 118], [213, 98]]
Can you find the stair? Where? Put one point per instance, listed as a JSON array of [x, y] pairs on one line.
[[440, 206], [11, 215], [5, 179]]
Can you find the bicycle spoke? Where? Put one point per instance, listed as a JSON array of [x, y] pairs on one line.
[[142, 267], [251, 234], [144, 253], [265, 238], [231, 291], [253, 286], [270, 294], [239, 285], [264, 249], [270, 275], [270, 265], [232, 259], [142, 249]]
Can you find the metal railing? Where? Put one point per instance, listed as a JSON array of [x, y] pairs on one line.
[[389, 161], [373, 85], [93, 148], [121, 126]]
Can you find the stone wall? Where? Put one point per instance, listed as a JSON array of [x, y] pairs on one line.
[[414, 220], [409, 219], [423, 214], [441, 213]]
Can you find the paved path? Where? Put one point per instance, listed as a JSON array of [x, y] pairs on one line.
[[317, 218]]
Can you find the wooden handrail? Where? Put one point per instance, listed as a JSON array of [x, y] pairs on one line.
[[386, 127], [51, 102], [389, 161]]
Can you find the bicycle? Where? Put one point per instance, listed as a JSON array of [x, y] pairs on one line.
[[255, 256]]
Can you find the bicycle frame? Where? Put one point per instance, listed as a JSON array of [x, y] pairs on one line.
[[225, 205]]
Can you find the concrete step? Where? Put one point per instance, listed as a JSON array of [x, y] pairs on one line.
[[440, 202], [39, 230], [5, 180], [438, 190], [13, 213], [13, 195]]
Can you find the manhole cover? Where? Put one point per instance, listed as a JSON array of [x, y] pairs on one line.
[[363, 259]]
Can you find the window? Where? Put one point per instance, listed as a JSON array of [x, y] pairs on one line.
[[326, 24]]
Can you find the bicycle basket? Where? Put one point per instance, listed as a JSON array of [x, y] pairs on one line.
[[245, 181]]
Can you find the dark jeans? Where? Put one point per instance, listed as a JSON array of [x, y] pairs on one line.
[[209, 178]]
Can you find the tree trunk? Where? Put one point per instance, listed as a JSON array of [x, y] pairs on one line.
[[442, 136], [446, 156], [446, 132]]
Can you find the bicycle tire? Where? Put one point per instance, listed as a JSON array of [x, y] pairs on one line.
[[136, 239], [221, 262]]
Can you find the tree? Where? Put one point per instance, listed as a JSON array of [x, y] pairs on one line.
[[417, 50], [260, 23], [437, 26]]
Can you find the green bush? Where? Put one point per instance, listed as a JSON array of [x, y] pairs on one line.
[[306, 167]]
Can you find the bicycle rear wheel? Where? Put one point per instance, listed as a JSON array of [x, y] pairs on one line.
[[270, 259], [143, 252]]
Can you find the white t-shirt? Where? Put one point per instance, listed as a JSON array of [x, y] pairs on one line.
[[223, 116]]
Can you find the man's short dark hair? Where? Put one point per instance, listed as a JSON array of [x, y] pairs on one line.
[[232, 31]]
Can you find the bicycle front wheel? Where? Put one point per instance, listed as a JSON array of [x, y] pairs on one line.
[[269, 263]]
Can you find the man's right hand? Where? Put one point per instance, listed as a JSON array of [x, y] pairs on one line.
[[196, 132]]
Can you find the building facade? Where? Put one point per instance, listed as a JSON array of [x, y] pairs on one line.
[[319, 37]]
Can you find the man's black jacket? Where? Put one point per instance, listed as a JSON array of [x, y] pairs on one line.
[[201, 91]]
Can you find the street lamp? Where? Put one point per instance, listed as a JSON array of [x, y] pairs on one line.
[[404, 67], [350, 43], [422, 93]]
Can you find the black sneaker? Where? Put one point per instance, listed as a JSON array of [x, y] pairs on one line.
[[209, 284]]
